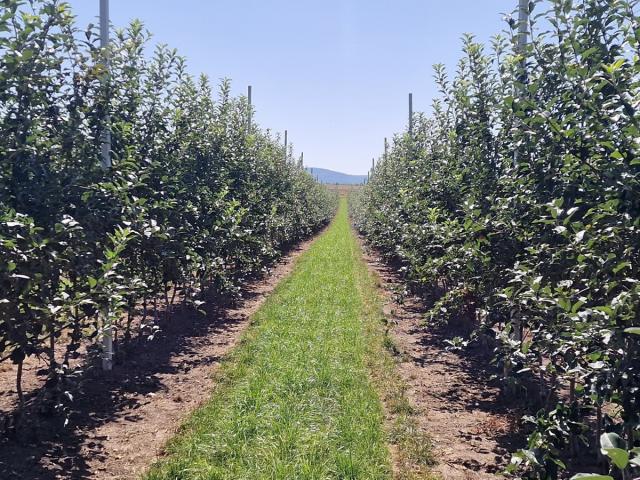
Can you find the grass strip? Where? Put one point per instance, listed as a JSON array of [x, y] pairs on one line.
[[295, 400]]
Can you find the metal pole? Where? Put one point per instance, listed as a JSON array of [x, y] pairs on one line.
[[104, 44], [386, 149], [411, 115], [107, 334], [250, 112], [286, 154], [523, 25], [302, 160], [523, 38]]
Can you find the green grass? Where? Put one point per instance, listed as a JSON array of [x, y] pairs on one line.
[[299, 398], [296, 399]]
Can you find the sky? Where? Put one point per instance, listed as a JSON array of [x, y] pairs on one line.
[[335, 73]]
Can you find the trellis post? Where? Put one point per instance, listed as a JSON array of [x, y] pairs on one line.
[[250, 112], [523, 39], [105, 146], [411, 115], [286, 142]]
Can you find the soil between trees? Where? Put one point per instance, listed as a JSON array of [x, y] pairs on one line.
[[459, 406], [121, 422]]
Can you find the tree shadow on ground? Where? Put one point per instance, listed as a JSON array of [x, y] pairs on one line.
[[43, 447]]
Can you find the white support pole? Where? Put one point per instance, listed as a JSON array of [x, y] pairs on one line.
[[523, 39], [250, 112], [104, 44], [523, 25], [107, 333], [411, 115], [286, 143]]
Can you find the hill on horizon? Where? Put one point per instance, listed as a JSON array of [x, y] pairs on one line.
[[332, 177]]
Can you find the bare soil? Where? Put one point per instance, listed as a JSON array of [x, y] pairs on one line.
[[121, 420], [471, 425]]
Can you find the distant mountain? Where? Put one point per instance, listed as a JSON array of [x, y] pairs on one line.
[[329, 176]]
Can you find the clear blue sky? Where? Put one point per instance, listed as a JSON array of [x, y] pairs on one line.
[[335, 73]]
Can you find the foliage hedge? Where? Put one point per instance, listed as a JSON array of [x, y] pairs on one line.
[[193, 203], [516, 203]]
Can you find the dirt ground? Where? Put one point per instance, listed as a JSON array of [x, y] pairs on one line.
[[343, 190], [460, 408], [121, 421]]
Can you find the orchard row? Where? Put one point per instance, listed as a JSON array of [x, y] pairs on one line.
[[196, 199], [515, 205]]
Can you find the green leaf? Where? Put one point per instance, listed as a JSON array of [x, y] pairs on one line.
[[618, 456], [621, 266], [632, 330], [612, 446]]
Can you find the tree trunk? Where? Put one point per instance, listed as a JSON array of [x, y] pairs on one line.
[[19, 383]]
